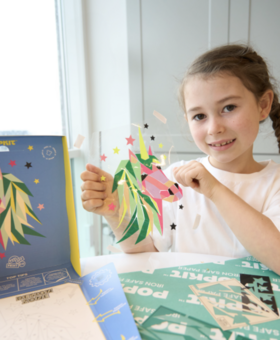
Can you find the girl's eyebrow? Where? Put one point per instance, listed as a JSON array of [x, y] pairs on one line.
[[218, 102]]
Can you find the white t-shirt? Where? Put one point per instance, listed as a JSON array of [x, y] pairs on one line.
[[213, 236]]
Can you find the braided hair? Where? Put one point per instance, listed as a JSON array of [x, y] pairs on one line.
[[243, 62]]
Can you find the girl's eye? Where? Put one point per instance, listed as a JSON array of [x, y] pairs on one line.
[[200, 116], [229, 108]]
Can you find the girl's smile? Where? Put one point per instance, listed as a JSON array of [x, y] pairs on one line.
[[223, 117]]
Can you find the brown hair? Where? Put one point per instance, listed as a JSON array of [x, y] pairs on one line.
[[243, 62]]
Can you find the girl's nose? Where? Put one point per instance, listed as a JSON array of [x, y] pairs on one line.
[[215, 126]]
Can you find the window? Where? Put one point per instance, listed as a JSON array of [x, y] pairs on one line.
[[30, 82], [43, 85]]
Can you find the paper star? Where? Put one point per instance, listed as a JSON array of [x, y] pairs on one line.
[[152, 138], [164, 156], [41, 206], [146, 126], [160, 145], [36, 181], [12, 163], [111, 206], [30, 147], [116, 150], [130, 140], [181, 206], [2, 255], [173, 226], [103, 179], [28, 165], [103, 157]]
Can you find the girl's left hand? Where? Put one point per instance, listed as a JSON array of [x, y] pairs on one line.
[[195, 175]]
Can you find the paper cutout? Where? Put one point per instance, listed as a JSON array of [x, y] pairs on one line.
[[160, 117], [116, 150], [36, 181], [196, 221], [141, 188], [30, 147], [28, 165], [102, 178], [249, 309], [14, 208], [41, 206], [111, 206], [181, 206], [130, 140], [12, 163], [173, 226], [261, 287], [79, 141], [146, 126], [152, 138], [103, 157], [160, 145], [2, 255]]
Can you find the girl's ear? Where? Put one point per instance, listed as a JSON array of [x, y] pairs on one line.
[[265, 104]]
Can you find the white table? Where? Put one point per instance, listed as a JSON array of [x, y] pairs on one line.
[[125, 263]]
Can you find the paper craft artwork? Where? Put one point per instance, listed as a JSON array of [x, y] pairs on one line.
[[14, 208], [142, 186], [249, 309], [38, 231]]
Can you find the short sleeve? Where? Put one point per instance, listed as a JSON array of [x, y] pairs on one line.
[[273, 212]]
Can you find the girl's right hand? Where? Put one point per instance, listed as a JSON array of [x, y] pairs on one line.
[[97, 193]]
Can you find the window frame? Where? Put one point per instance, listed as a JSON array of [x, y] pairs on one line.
[[71, 36]]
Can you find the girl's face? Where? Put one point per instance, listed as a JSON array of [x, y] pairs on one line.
[[223, 118]]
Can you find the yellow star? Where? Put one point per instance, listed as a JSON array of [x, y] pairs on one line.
[[164, 156], [103, 179], [30, 147], [160, 145], [36, 181], [116, 150]]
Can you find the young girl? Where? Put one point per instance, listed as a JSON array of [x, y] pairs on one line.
[[226, 93]]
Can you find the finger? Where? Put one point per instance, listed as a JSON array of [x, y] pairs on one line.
[[94, 169], [88, 195], [92, 185], [90, 176], [92, 205]]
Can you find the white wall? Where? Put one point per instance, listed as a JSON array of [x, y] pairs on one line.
[[107, 62]]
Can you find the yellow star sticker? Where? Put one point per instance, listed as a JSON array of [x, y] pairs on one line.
[[160, 145], [164, 156], [30, 147], [116, 150], [36, 181], [103, 179]]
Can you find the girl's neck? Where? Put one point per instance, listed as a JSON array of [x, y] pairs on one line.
[[245, 164]]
